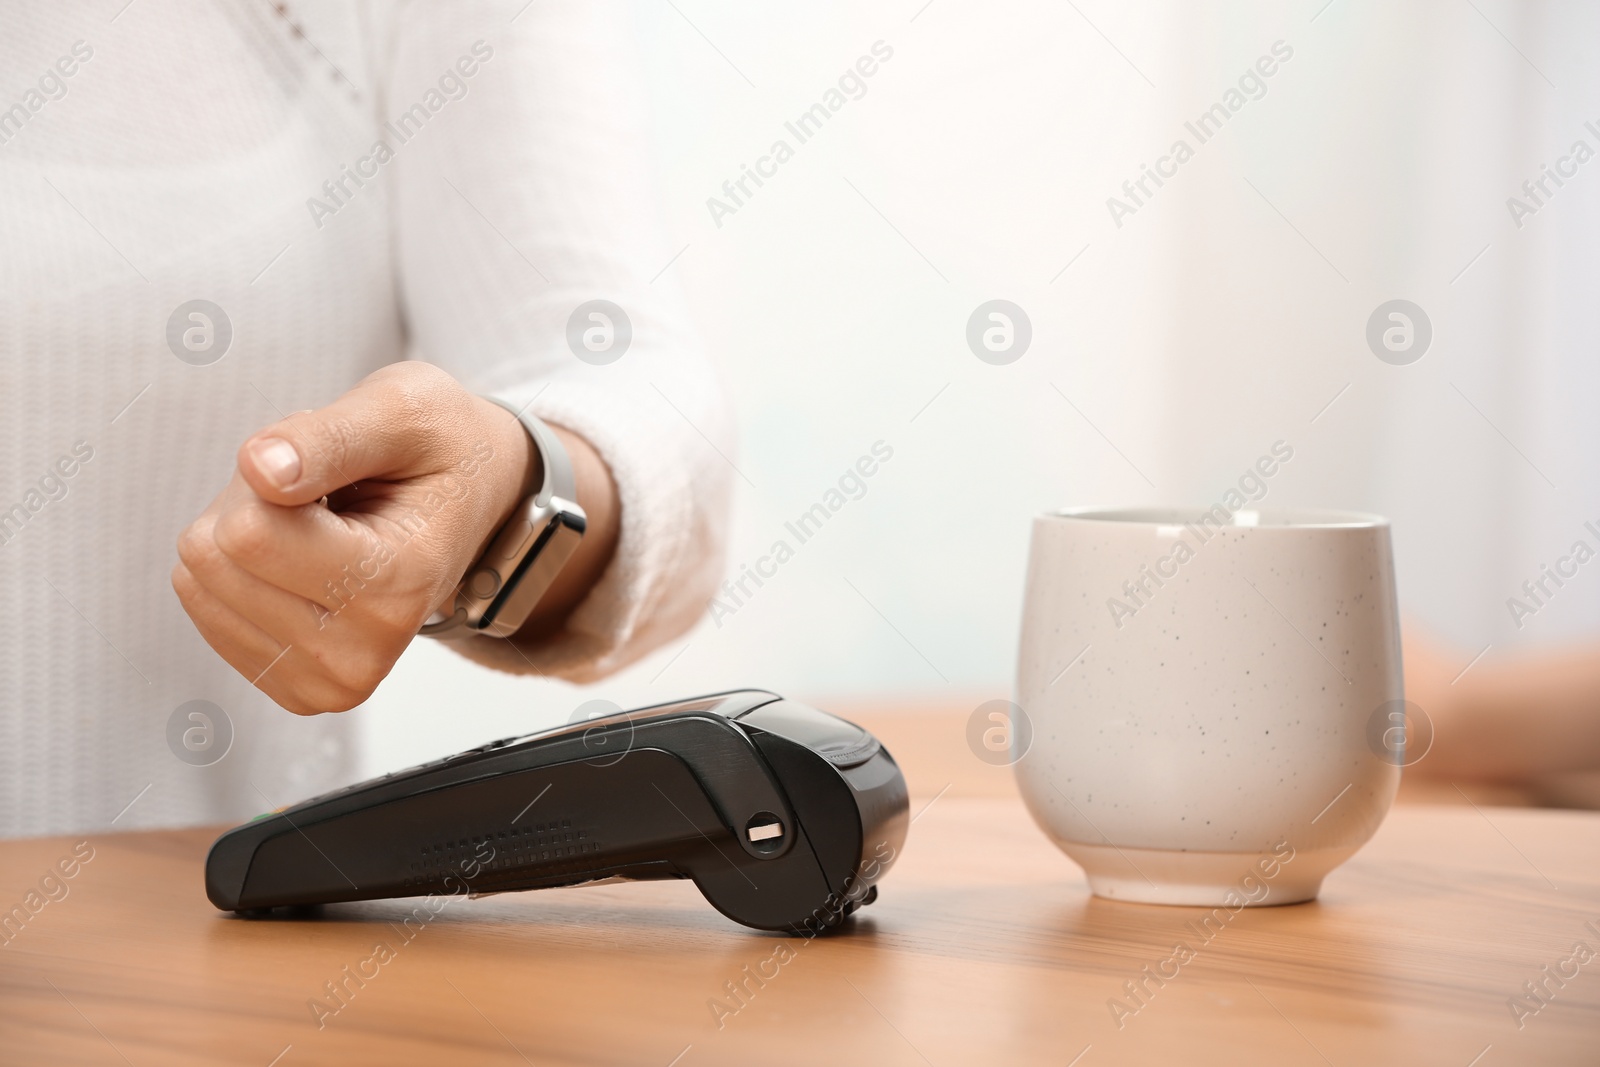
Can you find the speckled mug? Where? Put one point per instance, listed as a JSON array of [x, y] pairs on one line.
[[1201, 687]]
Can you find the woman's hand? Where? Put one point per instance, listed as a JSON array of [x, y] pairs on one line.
[[1515, 718], [314, 602]]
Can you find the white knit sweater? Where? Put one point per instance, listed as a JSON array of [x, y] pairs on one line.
[[181, 152]]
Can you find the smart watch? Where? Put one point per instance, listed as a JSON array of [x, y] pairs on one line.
[[504, 585]]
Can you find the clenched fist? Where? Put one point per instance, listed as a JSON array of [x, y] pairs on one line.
[[346, 527]]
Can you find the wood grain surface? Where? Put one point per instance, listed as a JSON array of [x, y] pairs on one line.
[[984, 948]]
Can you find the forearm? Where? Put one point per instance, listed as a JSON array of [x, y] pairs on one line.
[[479, 305], [1528, 716]]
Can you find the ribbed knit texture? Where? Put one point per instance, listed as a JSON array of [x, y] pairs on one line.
[[177, 166]]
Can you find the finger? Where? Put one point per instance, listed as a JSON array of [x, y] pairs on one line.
[[399, 422], [235, 492], [197, 544], [341, 660], [278, 670], [285, 616], [246, 647], [328, 560], [298, 550]]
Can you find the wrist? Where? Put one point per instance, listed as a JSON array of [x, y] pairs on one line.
[[515, 471]]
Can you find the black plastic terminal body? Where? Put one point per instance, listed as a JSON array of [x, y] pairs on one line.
[[785, 817]]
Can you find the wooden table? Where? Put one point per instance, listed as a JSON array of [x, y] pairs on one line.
[[984, 948]]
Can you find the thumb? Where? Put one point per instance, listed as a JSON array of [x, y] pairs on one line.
[[384, 428]]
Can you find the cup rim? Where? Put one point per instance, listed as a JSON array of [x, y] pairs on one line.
[[1273, 517]]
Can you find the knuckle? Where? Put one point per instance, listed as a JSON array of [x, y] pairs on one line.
[[408, 384], [197, 547], [348, 676], [243, 533], [340, 696], [424, 377], [427, 397], [329, 697], [294, 706], [295, 701], [183, 582], [395, 620], [370, 669], [363, 673], [346, 700], [313, 689]]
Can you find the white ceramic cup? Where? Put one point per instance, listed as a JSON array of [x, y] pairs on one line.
[[1202, 690]]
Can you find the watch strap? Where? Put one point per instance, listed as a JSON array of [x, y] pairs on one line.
[[558, 479]]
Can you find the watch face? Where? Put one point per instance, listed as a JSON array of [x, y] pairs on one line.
[[506, 584]]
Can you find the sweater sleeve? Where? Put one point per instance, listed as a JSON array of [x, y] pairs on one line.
[[520, 197]]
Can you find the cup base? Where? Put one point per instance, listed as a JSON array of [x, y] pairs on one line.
[[1204, 879]]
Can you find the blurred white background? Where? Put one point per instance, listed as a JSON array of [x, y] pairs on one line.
[[1228, 312]]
